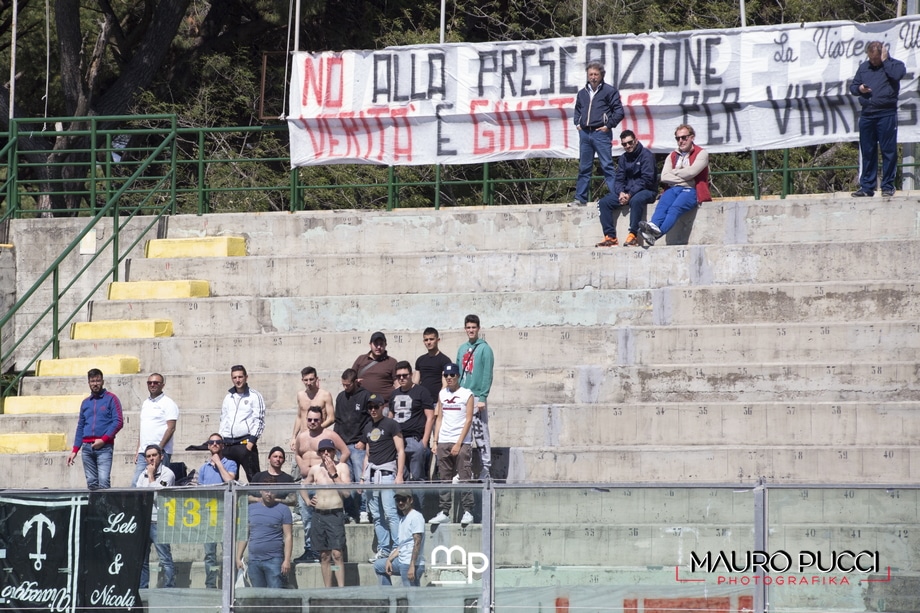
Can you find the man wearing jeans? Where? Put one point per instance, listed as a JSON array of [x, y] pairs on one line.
[[270, 542], [156, 475], [635, 186], [407, 559], [350, 419], [412, 408], [100, 420], [597, 112], [383, 464], [158, 424], [216, 471], [686, 173]]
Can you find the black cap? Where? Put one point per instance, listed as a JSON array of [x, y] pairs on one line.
[[376, 400], [325, 444], [378, 336], [451, 369]]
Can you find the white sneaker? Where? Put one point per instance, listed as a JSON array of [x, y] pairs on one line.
[[467, 519], [456, 479], [364, 519], [442, 518], [378, 556]]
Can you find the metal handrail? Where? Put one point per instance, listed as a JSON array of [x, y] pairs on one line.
[[113, 208]]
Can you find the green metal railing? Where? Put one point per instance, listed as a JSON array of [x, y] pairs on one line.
[[145, 184], [248, 169]]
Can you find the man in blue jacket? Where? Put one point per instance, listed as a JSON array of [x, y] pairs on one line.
[[100, 420], [877, 83], [635, 185], [597, 112]]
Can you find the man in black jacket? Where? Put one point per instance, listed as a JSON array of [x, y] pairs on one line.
[[597, 112], [635, 185]]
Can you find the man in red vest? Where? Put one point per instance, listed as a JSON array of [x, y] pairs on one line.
[[686, 173]]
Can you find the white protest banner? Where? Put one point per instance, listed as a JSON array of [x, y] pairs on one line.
[[759, 88]]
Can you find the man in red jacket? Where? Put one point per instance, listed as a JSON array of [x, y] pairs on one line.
[[686, 173]]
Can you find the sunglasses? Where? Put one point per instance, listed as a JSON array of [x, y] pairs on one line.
[[154, 383], [312, 421], [402, 375], [401, 498], [627, 143], [215, 442], [682, 138]]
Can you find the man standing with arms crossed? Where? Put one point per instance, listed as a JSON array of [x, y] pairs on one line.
[[476, 363], [429, 365], [156, 475], [242, 419], [376, 369], [158, 424], [100, 420], [350, 419]]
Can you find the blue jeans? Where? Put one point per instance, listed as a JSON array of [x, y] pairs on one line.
[[306, 516], [97, 466], [875, 133], [637, 205], [590, 143], [166, 562], [382, 505], [674, 202], [140, 465], [356, 503], [212, 565], [266, 573], [417, 457], [380, 567]]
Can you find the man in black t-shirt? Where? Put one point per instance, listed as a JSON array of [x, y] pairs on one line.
[[350, 418], [430, 365], [385, 463], [412, 408]]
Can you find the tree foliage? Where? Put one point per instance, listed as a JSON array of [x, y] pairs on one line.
[[202, 61]]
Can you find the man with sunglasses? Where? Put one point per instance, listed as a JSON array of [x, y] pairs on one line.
[[452, 443], [412, 408], [306, 453], [686, 175], [407, 559], [216, 471], [384, 464], [634, 186], [327, 530], [158, 424]]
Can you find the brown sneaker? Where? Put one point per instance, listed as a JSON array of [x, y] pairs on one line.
[[608, 242], [631, 240]]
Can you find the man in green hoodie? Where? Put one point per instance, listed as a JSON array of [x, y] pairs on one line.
[[476, 362]]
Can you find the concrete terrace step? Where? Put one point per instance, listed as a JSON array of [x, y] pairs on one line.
[[31, 405], [800, 219], [70, 367], [125, 329], [158, 290], [786, 302], [865, 381], [723, 464], [541, 270], [535, 347], [196, 247], [754, 424], [31, 442]]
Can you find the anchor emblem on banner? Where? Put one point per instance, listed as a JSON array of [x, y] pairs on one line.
[[38, 521]]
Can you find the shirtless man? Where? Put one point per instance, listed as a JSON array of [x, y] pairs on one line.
[[307, 456], [312, 395], [328, 529]]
